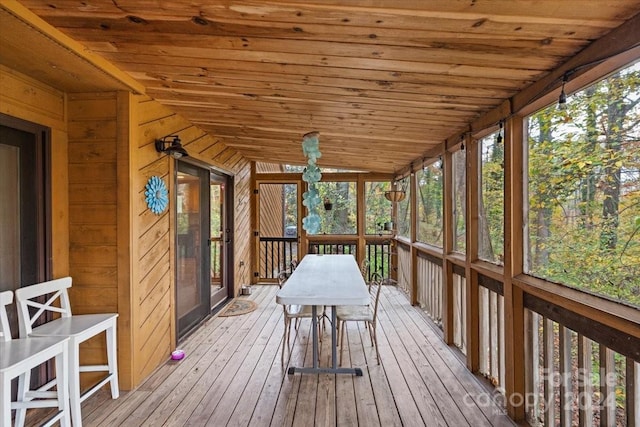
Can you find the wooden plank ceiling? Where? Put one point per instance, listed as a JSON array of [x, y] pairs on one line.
[[383, 81]]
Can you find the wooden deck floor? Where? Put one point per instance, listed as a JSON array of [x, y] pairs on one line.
[[232, 376]]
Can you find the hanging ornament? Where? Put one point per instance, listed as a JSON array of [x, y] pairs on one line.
[[311, 175]]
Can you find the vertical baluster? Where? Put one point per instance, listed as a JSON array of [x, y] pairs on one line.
[[463, 309], [549, 392], [501, 345], [585, 398], [273, 259], [566, 393], [532, 366], [430, 287], [439, 296], [633, 399], [483, 300], [434, 291], [456, 312], [607, 387], [264, 249], [493, 336]]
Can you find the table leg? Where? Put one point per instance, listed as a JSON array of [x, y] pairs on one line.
[[314, 320], [334, 369], [334, 339]]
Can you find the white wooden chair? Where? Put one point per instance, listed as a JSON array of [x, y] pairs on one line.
[[78, 328], [17, 358], [362, 313]]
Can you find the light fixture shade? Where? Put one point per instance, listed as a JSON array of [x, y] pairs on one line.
[[173, 148], [395, 195]]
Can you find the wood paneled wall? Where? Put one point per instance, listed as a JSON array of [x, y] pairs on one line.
[[119, 254], [94, 199], [153, 313]]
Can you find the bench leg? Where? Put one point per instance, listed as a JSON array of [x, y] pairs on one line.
[[62, 380], [24, 382], [112, 357], [74, 383]]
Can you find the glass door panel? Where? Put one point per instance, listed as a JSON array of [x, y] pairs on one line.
[[192, 257], [217, 240]]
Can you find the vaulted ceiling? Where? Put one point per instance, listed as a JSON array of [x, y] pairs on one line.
[[384, 82]]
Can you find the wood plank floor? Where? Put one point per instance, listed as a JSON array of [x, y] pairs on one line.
[[232, 375]]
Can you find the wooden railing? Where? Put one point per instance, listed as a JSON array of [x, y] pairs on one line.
[[460, 310], [216, 248], [429, 279], [574, 380], [579, 371], [332, 247], [404, 268], [276, 254], [379, 256], [491, 331]]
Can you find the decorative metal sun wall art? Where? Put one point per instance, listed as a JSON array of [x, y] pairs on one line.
[[156, 195]]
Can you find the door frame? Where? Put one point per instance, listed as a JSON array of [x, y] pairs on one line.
[[189, 320], [227, 246], [43, 235], [227, 270], [300, 233], [42, 139]]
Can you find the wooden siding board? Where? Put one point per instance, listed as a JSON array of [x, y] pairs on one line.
[[28, 99], [104, 215], [92, 194], [93, 120], [160, 272], [97, 151]]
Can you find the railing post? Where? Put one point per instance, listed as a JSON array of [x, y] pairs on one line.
[[513, 266], [472, 301]]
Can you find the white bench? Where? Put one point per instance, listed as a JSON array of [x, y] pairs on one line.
[[17, 358], [78, 328]]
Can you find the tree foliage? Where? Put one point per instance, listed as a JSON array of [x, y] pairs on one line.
[[584, 189]]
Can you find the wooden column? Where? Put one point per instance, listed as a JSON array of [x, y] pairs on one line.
[[413, 233], [126, 111], [255, 215], [360, 219], [471, 275], [447, 266], [514, 331]]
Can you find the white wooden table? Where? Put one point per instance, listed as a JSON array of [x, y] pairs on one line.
[[321, 280]]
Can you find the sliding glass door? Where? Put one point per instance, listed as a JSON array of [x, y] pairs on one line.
[[203, 244]]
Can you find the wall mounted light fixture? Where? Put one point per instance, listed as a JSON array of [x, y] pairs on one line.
[[172, 147]]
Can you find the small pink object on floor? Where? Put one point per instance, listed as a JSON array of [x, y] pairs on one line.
[[177, 355]]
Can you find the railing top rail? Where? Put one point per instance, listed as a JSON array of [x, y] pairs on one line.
[[278, 239]]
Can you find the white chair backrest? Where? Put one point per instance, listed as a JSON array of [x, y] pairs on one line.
[[377, 285], [375, 278], [364, 269], [25, 296], [6, 298], [282, 278]]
